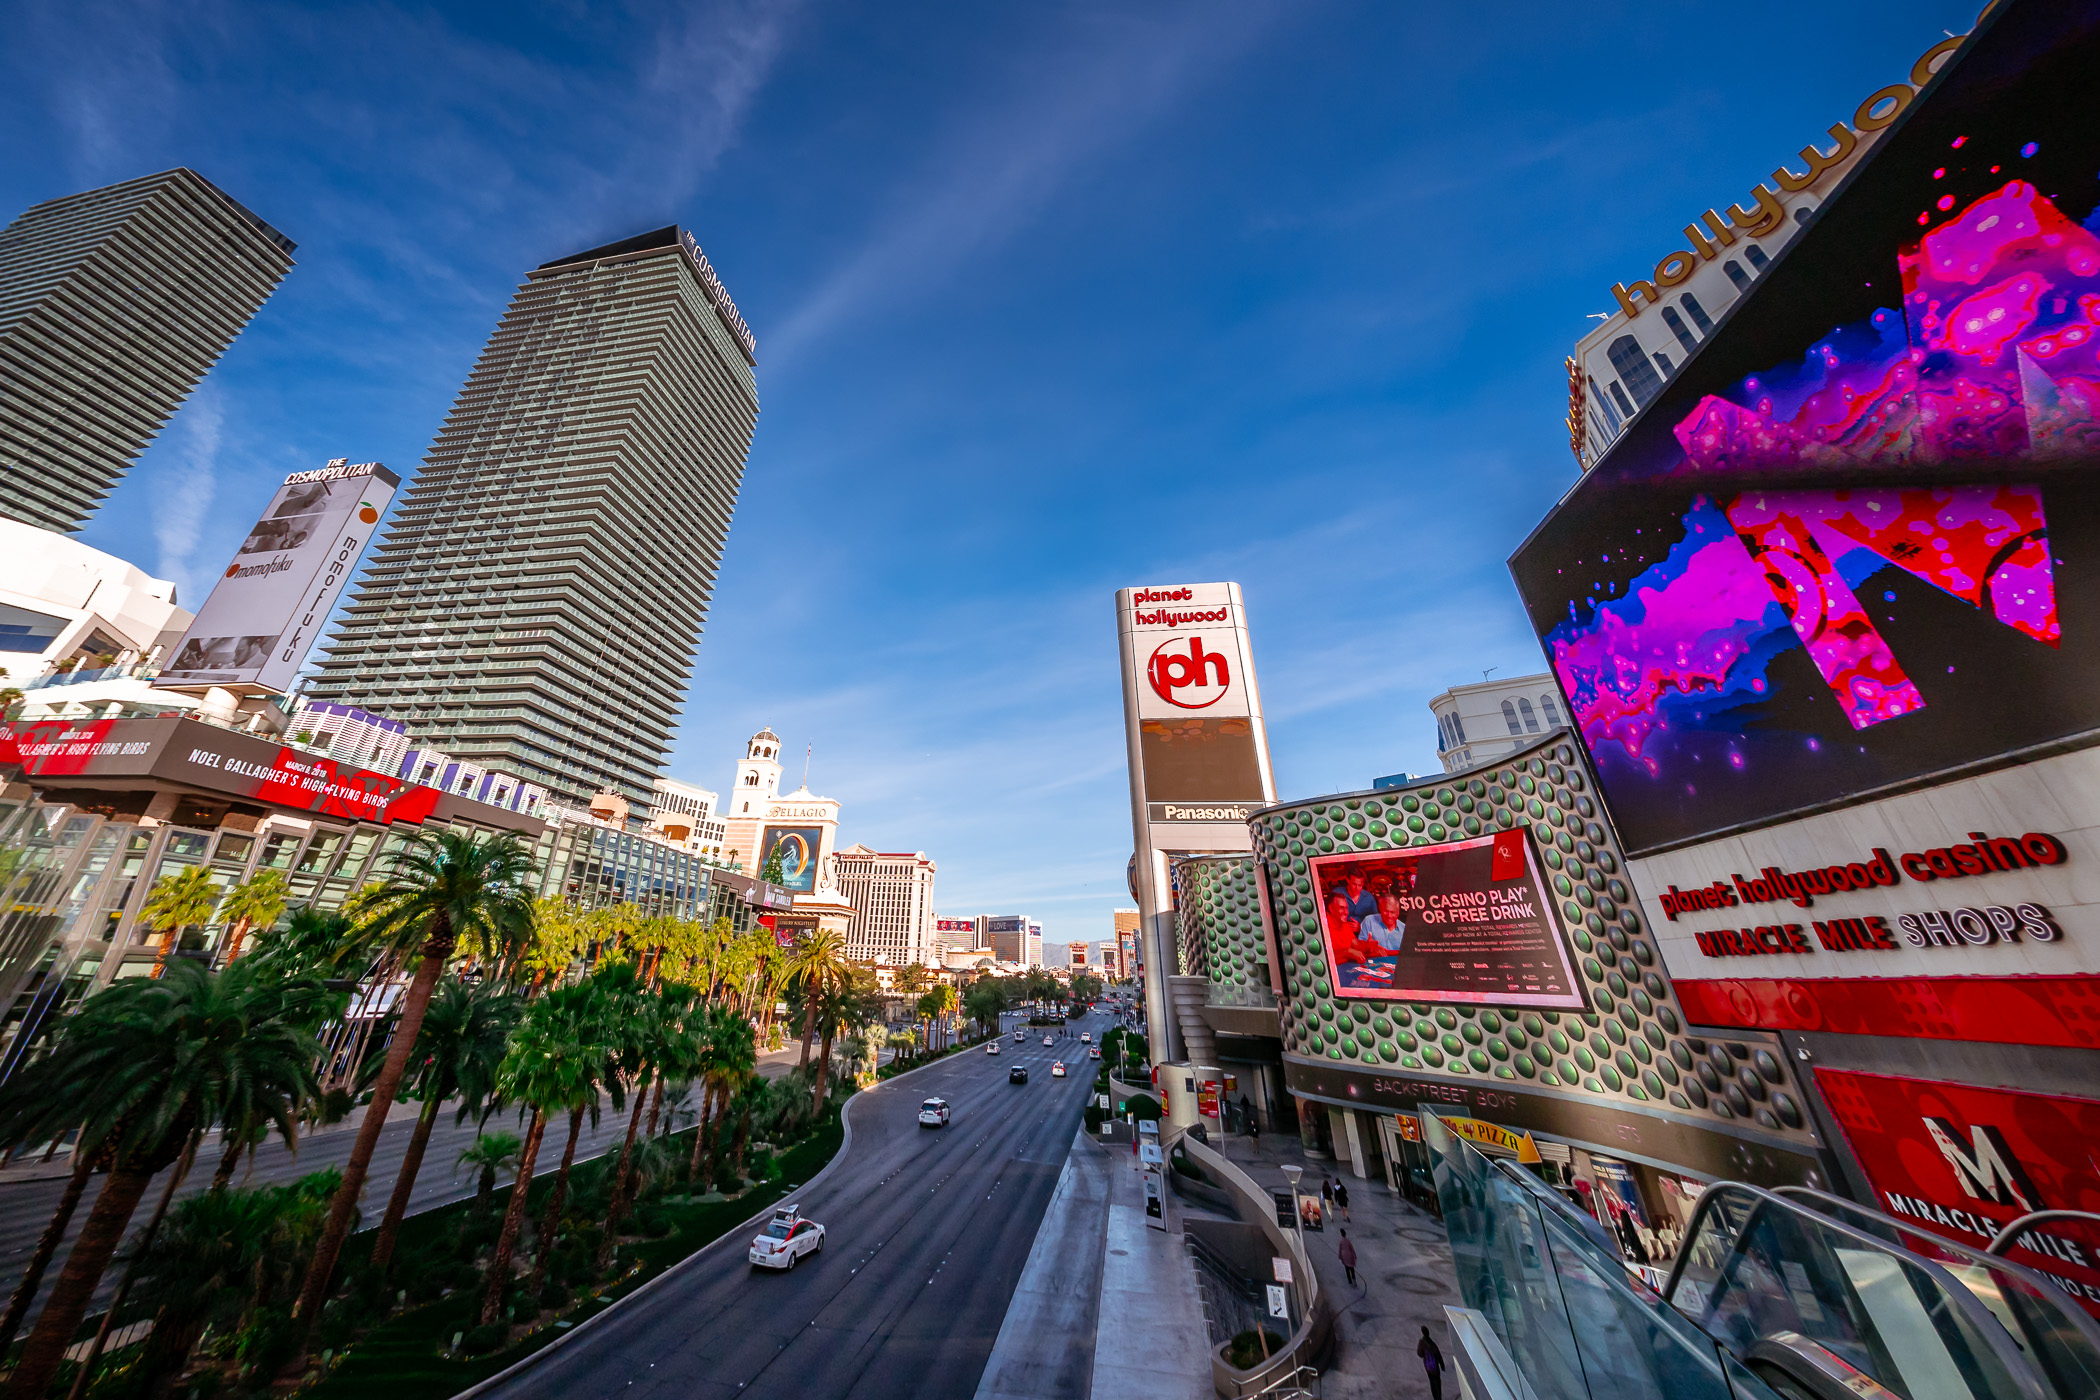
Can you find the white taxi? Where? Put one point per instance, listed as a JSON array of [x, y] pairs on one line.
[[1057, 1069], [992, 1048], [1086, 1037], [933, 1113], [1048, 1041], [786, 1240]]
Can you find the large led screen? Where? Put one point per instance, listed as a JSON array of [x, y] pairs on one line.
[[798, 847], [1462, 921], [1200, 760], [1856, 541]]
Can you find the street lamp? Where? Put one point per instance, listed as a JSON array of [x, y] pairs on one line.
[[1290, 1176]]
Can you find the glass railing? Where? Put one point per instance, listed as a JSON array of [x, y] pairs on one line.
[[1872, 1303], [2061, 1338], [1558, 1297]]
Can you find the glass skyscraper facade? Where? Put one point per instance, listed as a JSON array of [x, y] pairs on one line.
[[536, 605], [113, 305]]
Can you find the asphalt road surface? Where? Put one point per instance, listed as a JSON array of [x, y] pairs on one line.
[[26, 1205], [928, 1231]]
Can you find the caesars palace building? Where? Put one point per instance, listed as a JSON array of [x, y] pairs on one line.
[[1808, 892]]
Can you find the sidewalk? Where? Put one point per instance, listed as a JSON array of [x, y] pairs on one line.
[[1106, 1308], [1403, 1275]]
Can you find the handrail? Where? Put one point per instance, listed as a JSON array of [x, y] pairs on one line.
[[1295, 1380], [1981, 1320], [2062, 1309], [2003, 1240]]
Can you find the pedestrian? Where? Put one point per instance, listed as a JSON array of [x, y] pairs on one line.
[[1326, 1189], [1432, 1364], [1347, 1252], [1341, 1199]]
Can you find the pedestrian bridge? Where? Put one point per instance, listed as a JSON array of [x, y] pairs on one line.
[[1786, 1295]]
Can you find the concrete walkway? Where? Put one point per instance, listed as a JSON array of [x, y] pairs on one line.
[[1039, 1352], [1151, 1343], [1107, 1307], [1403, 1275]]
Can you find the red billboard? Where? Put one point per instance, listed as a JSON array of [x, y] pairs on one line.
[[1964, 1162], [1460, 921], [187, 753]]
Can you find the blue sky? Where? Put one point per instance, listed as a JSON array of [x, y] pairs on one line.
[[1050, 299]]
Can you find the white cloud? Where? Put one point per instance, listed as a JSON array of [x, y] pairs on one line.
[[1001, 168], [184, 480]]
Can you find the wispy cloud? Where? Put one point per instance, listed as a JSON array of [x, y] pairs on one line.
[[1002, 168], [185, 478], [709, 65]]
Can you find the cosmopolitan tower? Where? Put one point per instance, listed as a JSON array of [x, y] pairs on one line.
[[536, 605], [113, 304]]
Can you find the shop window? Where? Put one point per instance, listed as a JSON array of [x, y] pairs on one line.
[[233, 847], [1633, 367], [361, 843], [1693, 309], [320, 851], [279, 850], [1678, 328], [187, 847]]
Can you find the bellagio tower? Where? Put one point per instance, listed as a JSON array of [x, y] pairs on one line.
[[536, 606]]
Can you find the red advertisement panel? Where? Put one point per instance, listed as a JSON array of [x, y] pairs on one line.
[[1460, 921], [1964, 1162]]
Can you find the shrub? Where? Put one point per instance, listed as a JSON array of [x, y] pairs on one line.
[[487, 1338], [1184, 1167], [1244, 1352], [1144, 1108], [556, 1296], [1093, 1117]]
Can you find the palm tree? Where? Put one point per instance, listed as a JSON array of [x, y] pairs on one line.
[[443, 889], [258, 901], [491, 1152], [729, 1056], [914, 979], [457, 1052], [817, 965], [637, 1045], [178, 900], [546, 1068], [583, 1015], [145, 1067]]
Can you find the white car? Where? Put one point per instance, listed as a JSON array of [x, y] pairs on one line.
[[1057, 1069], [786, 1240], [1048, 1041], [1093, 1052], [933, 1113], [1020, 1036], [1086, 1037], [992, 1048]]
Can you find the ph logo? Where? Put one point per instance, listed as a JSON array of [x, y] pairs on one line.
[[1192, 678]]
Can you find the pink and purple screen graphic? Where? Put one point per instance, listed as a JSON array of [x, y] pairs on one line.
[[1689, 672]]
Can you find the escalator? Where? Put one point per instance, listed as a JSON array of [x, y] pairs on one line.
[[1794, 1295]]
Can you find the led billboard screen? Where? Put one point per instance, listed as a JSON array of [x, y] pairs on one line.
[[1850, 545], [1461, 921], [266, 611], [1200, 760], [799, 847]]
